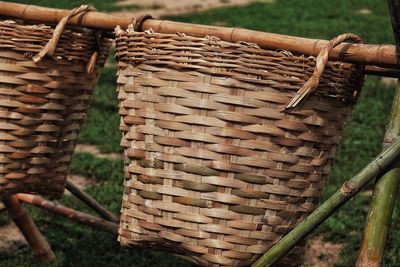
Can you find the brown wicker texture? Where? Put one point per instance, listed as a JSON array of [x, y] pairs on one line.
[[42, 104], [216, 168]]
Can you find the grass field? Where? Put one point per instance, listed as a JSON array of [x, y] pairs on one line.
[[100, 5], [77, 245]]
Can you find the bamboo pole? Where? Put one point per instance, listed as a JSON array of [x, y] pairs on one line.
[[346, 192], [69, 213], [379, 55], [40, 248], [92, 203], [385, 191], [383, 72], [378, 220]]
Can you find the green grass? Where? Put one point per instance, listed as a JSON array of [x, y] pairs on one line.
[[77, 245], [308, 18], [100, 5], [102, 124], [362, 141]]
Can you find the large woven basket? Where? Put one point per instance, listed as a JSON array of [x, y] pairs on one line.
[[43, 104], [216, 168]]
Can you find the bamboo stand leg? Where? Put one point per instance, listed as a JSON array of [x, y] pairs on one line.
[[69, 213], [92, 203], [383, 200], [385, 192], [40, 248]]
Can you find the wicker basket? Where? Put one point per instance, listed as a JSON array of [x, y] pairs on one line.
[[216, 168], [43, 104]]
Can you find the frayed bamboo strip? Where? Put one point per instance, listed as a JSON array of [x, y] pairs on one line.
[[40, 248], [92, 203], [385, 191], [380, 55], [346, 192], [69, 213]]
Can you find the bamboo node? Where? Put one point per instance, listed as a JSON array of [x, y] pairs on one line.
[[347, 189]]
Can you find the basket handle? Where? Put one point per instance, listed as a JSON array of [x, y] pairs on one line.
[[51, 45], [322, 59]]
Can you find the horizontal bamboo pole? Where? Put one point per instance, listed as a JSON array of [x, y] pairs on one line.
[[40, 247], [379, 55], [346, 192], [53, 15], [92, 203], [384, 72], [69, 213]]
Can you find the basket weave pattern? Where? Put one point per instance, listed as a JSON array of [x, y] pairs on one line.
[[42, 105], [215, 169]]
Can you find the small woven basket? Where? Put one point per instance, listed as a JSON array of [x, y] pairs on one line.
[[43, 103], [217, 168]]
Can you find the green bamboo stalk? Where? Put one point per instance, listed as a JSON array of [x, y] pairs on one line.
[[383, 200], [385, 191], [378, 220], [346, 192]]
